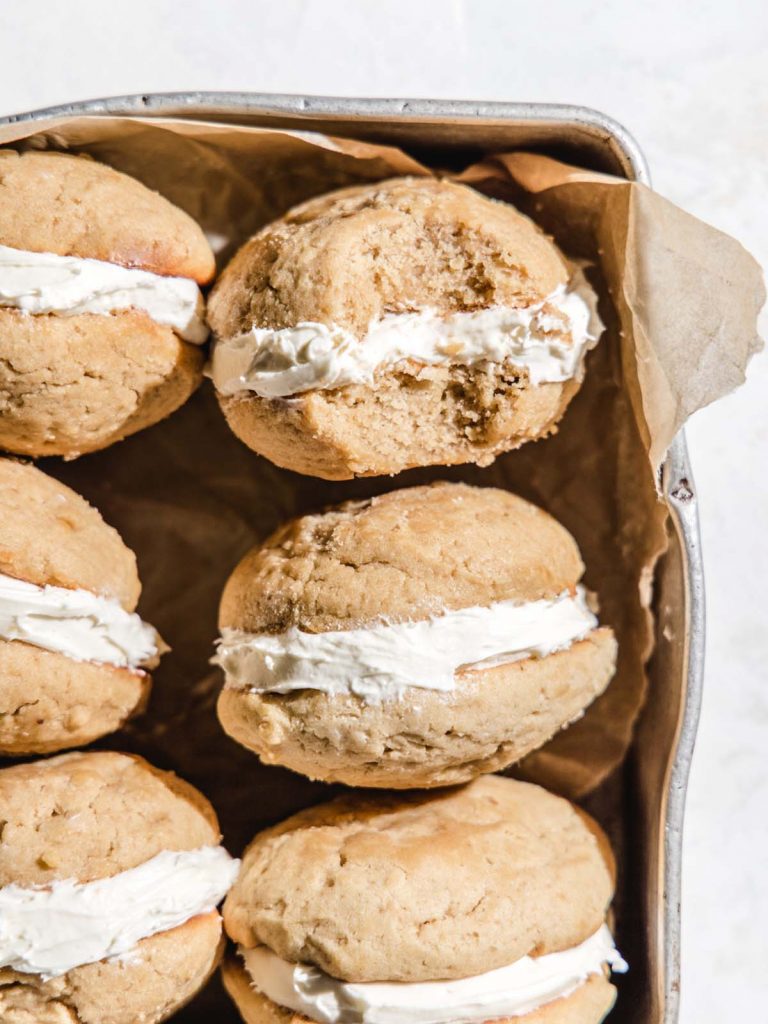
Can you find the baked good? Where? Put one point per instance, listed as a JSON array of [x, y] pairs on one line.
[[110, 875], [101, 316], [483, 902], [74, 656], [419, 638], [410, 322]]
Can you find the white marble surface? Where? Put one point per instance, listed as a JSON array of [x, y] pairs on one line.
[[690, 80]]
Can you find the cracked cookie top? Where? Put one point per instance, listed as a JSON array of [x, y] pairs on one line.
[[86, 816], [50, 535], [402, 556], [74, 206], [351, 256], [424, 887]]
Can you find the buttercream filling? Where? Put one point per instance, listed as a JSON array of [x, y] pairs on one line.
[[548, 340], [78, 623], [382, 660], [49, 930], [40, 283], [511, 991]]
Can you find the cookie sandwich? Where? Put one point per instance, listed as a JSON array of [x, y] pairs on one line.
[[101, 314], [411, 322], [419, 638], [110, 875], [479, 903], [74, 655]]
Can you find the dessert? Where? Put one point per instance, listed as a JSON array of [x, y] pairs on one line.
[[101, 314], [484, 902], [74, 655], [411, 322], [419, 638], [110, 875]]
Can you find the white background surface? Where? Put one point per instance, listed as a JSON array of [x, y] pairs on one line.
[[690, 80]]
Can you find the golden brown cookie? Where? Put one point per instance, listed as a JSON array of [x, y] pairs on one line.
[[344, 265], [75, 206], [81, 364], [91, 815], [71, 385], [93, 819], [324, 621], [440, 887], [50, 534], [63, 689]]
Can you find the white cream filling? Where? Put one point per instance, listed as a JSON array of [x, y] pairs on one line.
[[77, 623], [51, 930], [511, 991], [310, 356], [380, 661], [41, 282]]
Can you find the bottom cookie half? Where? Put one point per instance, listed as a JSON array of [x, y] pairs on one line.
[[425, 416], [587, 1005], [75, 384], [491, 720], [50, 702], [148, 985]]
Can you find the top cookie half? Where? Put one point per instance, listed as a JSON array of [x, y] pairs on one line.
[[409, 322], [357, 254], [71, 206], [51, 536]]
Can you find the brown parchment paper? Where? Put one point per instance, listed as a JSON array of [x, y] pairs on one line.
[[679, 300]]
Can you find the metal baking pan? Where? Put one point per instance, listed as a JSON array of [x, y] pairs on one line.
[[655, 774]]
